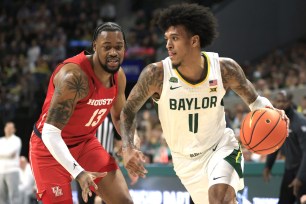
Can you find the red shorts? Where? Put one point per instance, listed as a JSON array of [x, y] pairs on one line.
[[53, 180]]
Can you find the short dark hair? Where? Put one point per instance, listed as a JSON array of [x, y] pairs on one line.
[[108, 26], [198, 20]]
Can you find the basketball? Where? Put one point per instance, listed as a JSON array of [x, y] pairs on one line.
[[263, 131]]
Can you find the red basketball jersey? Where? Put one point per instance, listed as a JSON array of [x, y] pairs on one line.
[[90, 111]]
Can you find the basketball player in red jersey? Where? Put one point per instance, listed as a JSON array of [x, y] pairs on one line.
[[82, 91]]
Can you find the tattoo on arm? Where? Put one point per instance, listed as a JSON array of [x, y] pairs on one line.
[[149, 82], [233, 77], [70, 87], [61, 112], [78, 85]]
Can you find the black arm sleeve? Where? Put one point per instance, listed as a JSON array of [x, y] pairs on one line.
[[271, 159]]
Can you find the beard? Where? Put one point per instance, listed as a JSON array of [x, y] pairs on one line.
[[108, 69]]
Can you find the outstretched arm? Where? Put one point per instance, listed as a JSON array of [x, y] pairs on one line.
[[71, 85], [149, 83], [268, 166], [234, 78]]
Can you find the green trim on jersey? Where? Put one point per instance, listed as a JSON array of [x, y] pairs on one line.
[[155, 106], [234, 159]]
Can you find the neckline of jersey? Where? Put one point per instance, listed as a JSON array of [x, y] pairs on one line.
[[201, 81]]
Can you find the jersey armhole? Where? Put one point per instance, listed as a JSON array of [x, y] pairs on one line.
[[163, 62]]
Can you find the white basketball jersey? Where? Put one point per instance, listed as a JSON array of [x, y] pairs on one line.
[[192, 115]]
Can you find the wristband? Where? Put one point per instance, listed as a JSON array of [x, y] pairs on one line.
[[260, 102]]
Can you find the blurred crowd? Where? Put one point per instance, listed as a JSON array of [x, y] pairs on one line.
[[282, 68], [36, 35]]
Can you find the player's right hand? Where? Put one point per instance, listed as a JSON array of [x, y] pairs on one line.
[[133, 161], [86, 179], [284, 117], [266, 174]]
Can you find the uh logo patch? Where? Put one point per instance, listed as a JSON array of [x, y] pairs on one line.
[[57, 191]]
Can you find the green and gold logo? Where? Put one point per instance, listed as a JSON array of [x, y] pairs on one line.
[[213, 89], [173, 80]]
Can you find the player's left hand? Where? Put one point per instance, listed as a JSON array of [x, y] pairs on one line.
[[284, 117], [296, 184], [133, 161], [133, 179], [86, 179], [137, 143]]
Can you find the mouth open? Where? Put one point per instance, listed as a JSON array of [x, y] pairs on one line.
[[113, 62]]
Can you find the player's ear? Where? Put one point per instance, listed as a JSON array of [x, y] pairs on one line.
[[94, 45], [195, 41]]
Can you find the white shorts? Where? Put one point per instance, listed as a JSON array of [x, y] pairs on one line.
[[222, 164]]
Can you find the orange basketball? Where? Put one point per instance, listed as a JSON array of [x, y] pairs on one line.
[[263, 131]]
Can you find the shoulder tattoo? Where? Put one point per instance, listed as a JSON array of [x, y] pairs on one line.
[[70, 87], [230, 71], [151, 78], [233, 77]]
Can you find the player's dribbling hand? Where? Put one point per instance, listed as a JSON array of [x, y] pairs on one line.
[[86, 179], [284, 117], [133, 161]]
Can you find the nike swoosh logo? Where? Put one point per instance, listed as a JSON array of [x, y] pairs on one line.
[[172, 88], [74, 165], [215, 178]]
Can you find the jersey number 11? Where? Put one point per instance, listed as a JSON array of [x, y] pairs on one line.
[[193, 122]]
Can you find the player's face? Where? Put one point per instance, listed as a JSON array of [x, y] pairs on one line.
[[109, 48], [281, 102], [178, 44]]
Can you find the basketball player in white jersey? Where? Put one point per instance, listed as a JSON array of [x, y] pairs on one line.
[[188, 88]]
